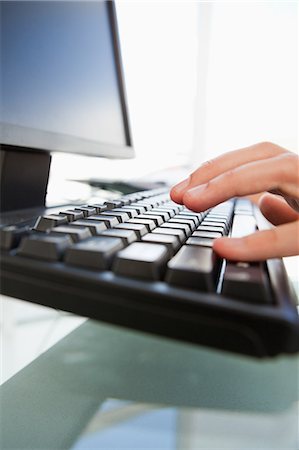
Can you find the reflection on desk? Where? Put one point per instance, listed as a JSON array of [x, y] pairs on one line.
[[166, 395]]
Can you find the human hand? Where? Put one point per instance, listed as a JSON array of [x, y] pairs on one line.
[[251, 170]]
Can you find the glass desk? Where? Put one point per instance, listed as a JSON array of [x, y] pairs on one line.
[[105, 387]]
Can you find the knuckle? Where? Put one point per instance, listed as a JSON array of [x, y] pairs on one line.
[[204, 172], [289, 167]]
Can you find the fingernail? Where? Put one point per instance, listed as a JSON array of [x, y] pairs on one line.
[[178, 188]]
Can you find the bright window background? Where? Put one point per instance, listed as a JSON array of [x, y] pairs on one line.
[[252, 78]]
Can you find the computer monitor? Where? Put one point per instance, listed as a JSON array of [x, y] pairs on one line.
[[62, 83]]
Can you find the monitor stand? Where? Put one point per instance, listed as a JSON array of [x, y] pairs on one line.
[[24, 175]]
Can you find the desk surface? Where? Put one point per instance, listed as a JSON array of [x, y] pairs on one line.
[[104, 387]]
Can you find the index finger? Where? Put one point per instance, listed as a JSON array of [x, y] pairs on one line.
[[213, 168]]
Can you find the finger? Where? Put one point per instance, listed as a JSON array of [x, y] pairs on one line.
[[276, 210], [274, 243], [213, 168], [274, 174]]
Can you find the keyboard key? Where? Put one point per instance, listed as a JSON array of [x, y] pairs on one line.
[[177, 226], [187, 222], [214, 229], [95, 253], [98, 207], [127, 236], [208, 223], [172, 232], [131, 212], [110, 204], [121, 216], [194, 218], [10, 236], [194, 267], [144, 206], [87, 210], [76, 233], [141, 260], [247, 282], [202, 242], [139, 229], [170, 241], [44, 246], [207, 234], [164, 214], [157, 219], [171, 212], [49, 221], [72, 215], [136, 207], [109, 221], [243, 225], [94, 226], [243, 206], [150, 224]]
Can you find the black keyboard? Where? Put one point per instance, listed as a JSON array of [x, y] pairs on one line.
[[144, 262]]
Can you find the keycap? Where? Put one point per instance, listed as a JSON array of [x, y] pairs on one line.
[[243, 225], [160, 217], [125, 201], [76, 233], [121, 216], [202, 242], [187, 222], [98, 207], [214, 220], [207, 234], [72, 215], [10, 236], [109, 221], [131, 212], [164, 214], [150, 224], [49, 221], [142, 205], [172, 232], [243, 206], [44, 246], [247, 282], [170, 241], [141, 260], [136, 207], [194, 218], [171, 212], [188, 212], [87, 210], [94, 226], [177, 226], [127, 236], [95, 253], [174, 206], [157, 219], [113, 204], [209, 228], [211, 223], [194, 267], [139, 229]]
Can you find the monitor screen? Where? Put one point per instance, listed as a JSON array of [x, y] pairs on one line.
[[61, 78]]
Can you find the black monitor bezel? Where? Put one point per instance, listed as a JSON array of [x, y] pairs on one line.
[[30, 138]]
